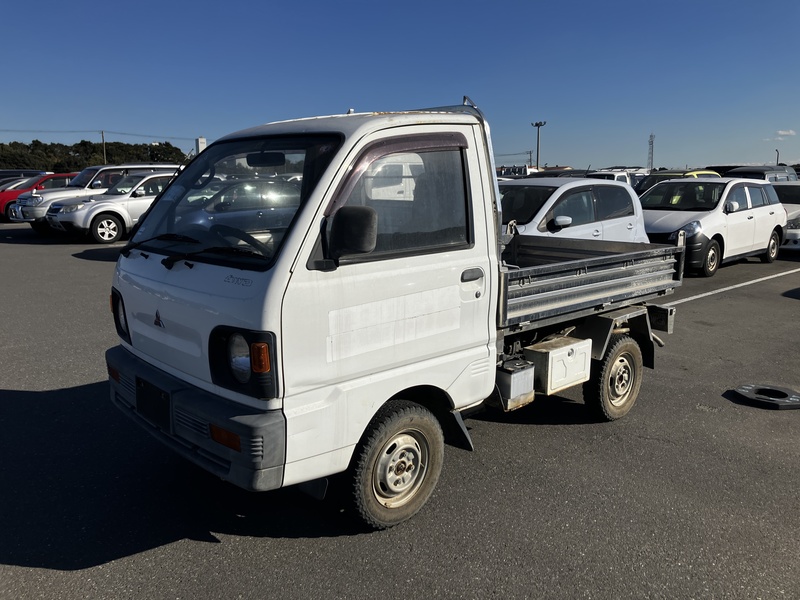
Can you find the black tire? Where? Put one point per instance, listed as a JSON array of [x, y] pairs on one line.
[[397, 464], [7, 211], [771, 253], [107, 229], [616, 379], [712, 259]]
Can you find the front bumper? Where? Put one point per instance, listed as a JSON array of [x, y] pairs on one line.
[[28, 214], [791, 239], [181, 416], [696, 248]]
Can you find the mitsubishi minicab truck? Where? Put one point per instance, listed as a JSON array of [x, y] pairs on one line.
[[283, 318]]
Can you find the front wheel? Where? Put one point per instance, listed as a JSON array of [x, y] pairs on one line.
[[397, 464], [712, 259], [615, 380], [106, 229], [771, 252]]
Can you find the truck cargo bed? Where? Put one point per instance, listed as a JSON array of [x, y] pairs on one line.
[[546, 281]]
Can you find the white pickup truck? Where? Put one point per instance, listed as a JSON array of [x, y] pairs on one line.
[[278, 329]]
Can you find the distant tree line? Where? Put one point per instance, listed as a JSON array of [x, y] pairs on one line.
[[61, 158]]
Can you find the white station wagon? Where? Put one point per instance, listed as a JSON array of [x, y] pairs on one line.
[[723, 219]]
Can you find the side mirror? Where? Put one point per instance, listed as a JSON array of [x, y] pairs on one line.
[[96, 184], [354, 230], [731, 207], [138, 193], [562, 221]]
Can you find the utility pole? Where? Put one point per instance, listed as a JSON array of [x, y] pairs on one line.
[[538, 125], [650, 152], [103, 137]]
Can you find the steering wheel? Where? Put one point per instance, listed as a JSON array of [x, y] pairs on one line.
[[225, 231]]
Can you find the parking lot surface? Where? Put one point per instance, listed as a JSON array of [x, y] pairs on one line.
[[694, 494]]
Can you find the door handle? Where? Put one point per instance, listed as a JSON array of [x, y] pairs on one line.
[[750, 218], [472, 274], [596, 233], [630, 226]]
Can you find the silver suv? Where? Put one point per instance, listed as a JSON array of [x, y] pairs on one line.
[[111, 215], [32, 207]]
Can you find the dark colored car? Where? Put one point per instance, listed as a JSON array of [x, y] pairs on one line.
[[770, 173]]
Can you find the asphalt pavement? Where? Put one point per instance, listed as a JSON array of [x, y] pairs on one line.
[[694, 494]]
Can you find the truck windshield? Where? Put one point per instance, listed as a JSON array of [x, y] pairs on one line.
[[236, 202]]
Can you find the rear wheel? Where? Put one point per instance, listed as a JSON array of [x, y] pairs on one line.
[[106, 229], [397, 464], [712, 259], [772, 248], [616, 379]]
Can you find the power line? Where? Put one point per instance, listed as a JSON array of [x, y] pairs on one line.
[[100, 131]]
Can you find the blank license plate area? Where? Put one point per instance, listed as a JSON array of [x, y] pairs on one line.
[[153, 404]]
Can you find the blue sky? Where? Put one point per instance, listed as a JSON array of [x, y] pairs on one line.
[[715, 83]]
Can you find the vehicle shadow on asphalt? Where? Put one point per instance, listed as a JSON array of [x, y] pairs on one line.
[[544, 410], [102, 254], [83, 486], [22, 234]]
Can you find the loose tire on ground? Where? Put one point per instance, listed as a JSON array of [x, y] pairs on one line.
[[615, 380], [771, 253], [106, 229], [712, 259], [397, 464]]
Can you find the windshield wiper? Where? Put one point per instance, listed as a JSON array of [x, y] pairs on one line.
[[166, 237], [170, 261]]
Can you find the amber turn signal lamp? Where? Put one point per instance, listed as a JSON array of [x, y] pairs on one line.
[[226, 438], [259, 357]]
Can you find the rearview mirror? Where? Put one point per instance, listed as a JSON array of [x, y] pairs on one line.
[[266, 159], [732, 206]]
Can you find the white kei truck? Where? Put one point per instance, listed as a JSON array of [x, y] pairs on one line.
[[333, 295]]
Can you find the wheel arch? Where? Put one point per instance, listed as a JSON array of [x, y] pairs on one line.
[[115, 214], [717, 237]]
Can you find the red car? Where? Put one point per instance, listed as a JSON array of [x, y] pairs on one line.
[[40, 182]]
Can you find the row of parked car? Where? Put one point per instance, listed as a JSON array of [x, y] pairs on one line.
[[722, 218], [103, 201], [749, 212]]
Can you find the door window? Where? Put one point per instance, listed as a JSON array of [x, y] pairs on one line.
[[420, 199], [756, 196], [738, 195], [612, 202], [578, 205]]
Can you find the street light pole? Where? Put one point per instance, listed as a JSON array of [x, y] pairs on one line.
[[538, 125], [777, 157]]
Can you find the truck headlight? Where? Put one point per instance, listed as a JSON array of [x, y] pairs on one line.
[[242, 360], [120, 318], [239, 357], [691, 229]]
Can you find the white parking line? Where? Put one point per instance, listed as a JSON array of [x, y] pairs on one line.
[[731, 287]]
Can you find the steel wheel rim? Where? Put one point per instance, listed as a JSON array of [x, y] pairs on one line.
[[773, 246], [621, 379], [107, 230], [711, 259], [400, 468]]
